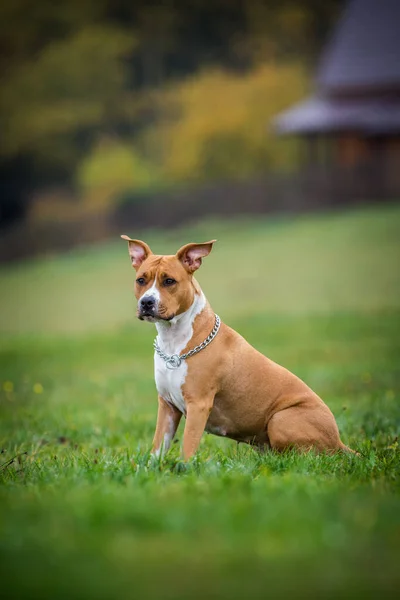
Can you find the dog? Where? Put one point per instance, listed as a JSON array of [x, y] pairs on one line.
[[207, 372]]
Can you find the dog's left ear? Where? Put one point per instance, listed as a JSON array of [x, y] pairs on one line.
[[191, 255], [138, 251]]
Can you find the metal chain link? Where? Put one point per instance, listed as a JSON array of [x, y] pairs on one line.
[[173, 361]]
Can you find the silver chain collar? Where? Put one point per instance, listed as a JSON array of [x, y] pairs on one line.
[[174, 361]]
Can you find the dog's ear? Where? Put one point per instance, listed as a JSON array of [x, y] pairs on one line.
[[191, 255], [138, 251]]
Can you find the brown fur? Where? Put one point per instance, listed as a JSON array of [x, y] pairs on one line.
[[231, 389]]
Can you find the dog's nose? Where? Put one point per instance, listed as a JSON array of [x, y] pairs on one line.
[[147, 303]]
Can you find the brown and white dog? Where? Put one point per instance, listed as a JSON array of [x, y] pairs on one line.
[[227, 388]]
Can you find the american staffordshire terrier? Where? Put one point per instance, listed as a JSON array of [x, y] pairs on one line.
[[207, 372]]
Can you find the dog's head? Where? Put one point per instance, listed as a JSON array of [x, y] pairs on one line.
[[164, 284]]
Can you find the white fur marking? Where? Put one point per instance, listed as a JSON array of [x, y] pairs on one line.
[[152, 291], [173, 337], [168, 435]]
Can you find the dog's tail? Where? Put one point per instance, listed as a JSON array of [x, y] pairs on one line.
[[345, 448]]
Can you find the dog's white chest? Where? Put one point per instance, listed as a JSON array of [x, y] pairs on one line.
[[173, 338], [169, 382]]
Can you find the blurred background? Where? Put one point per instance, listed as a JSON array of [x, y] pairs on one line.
[[117, 114]]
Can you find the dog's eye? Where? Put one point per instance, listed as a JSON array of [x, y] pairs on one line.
[[141, 280], [169, 281]]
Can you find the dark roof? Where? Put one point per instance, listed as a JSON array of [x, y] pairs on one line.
[[363, 56], [321, 114], [365, 49]]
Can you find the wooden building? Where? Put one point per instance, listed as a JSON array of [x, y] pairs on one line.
[[350, 127]]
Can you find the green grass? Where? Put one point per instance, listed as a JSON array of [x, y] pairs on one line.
[[84, 513]]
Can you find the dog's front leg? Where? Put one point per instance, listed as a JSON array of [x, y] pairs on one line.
[[196, 419], [167, 423]]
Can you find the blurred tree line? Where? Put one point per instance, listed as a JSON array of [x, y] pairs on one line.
[[102, 97]]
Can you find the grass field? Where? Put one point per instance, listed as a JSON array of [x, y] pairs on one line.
[[84, 514]]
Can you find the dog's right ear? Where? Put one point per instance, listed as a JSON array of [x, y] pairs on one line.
[[138, 251]]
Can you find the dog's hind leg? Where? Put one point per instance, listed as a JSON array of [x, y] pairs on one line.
[[304, 428]]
